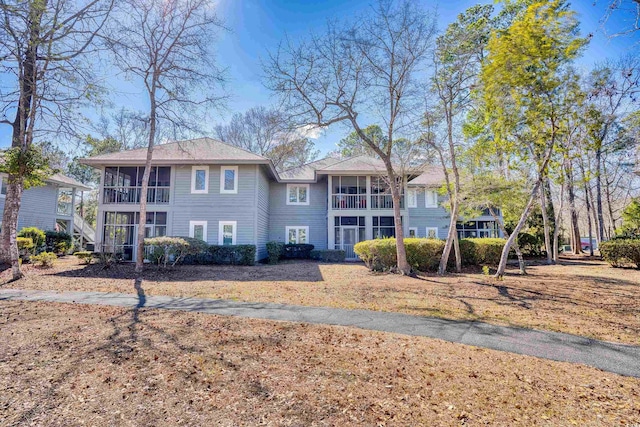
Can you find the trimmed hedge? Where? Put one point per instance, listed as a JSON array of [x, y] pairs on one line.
[[57, 241], [621, 252], [481, 251], [85, 256], [274, 251], [224, 255], [328, 255], [167, 250], [424, 254], [25, 244], [297, 251], [44, 259]]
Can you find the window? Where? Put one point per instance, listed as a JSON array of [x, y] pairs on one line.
[[413, 231], [412, 194], [477, 229], [198, 230], [383, 226], [227, 233], [65, 199], [297, 234], [200, 179], [297, 194], [430, 199], [156, 225], [229, 179], [349, 192], [3, 186], [432, 232]]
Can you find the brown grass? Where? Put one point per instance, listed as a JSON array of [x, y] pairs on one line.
[[68, 365], [582, 297]]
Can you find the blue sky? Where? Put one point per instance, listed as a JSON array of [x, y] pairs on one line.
[[258, 25]]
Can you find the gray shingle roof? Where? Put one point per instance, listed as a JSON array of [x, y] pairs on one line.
[[307, 172], [193, 151], [432, 176], [67, 181]]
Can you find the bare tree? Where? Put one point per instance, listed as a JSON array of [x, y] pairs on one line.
[[165, 45], [362, 71], [43, 45], [266, 132]]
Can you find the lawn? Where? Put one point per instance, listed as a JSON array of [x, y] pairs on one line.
[[68, 365], [582, 297]]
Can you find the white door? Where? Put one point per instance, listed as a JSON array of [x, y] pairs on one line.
[[349, 239]]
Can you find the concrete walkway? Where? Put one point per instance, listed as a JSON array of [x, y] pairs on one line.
[[618, 358]]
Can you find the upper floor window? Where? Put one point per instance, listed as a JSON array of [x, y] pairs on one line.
[[3, 186], [297, 194], [200, 179], [229, 179], [430, 199], [123, 184], [65, 202], [412, 195]]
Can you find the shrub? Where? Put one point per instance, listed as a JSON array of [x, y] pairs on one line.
[[164, 250], [25, 244], [233, 255], [36, 235], [328, 255], [44, 259], [621, 252], [297, 251], [481, 251], [84, 256], [274, 251], [57, 241]]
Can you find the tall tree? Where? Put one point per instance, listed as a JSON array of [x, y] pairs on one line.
[[266, 132], [366, 69], [166, 46], [43, 46], [353, 145], [527, 65]]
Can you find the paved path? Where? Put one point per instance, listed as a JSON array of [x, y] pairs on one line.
[[618, 358]]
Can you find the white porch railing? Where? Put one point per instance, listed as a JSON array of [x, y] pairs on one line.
[[349, 201]]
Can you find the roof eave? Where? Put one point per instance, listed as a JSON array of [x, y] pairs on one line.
[[168, 162]]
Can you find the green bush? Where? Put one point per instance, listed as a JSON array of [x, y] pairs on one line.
[[328, 255], [297, 251], [57, 241], [44, 259], [274, 251], [233, 255], [167, 250], [481, 251], [37, 236], [85, 256], [25, 244], [424, 254], [621, 252]]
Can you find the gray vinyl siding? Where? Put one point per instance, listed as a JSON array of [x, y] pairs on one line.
[[214, 206], [262, 213], [313, 215], [38, 207], [422, 217]]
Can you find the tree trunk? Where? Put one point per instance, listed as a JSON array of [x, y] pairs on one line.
[[587, 201], [401, 252], [575, 230], [145, 183], [521, 264], [545, 221], [556, 229], [599, 190]]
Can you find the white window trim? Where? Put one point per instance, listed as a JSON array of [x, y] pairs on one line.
[[429, 229], [235, 181], [415, 230], [221, 225], [289, 202], [193, 179], [192, 226], [296, 227], [412, 202], [426, 199]]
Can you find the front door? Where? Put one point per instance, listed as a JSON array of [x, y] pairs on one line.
[[349, 239]]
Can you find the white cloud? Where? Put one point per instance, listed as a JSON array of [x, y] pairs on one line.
[[310, 131]]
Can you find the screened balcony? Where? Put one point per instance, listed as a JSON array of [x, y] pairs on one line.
[[123, 185], [349, 192]]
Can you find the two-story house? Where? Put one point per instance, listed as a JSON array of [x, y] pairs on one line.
[[225, 195], [51, 207]]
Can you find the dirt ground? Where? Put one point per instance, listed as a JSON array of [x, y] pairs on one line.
[[583, 297], [71, 365]]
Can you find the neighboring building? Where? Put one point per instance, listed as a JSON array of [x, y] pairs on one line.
[[225, 195], [51, 206]]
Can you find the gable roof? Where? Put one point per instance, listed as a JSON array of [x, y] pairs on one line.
[[192, 151], [67, 181], [431, 177], [307, 172], [362, 163]]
